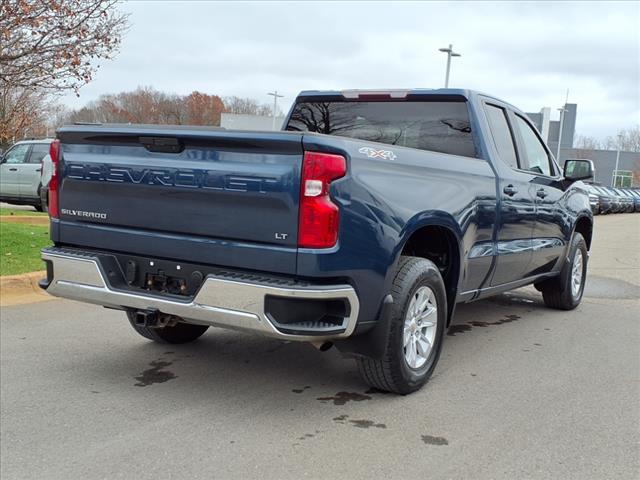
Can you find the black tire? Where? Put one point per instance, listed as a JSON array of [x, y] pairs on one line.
[[392, 373], [557, 292], [179, 333], [38, 207], [44, 199]]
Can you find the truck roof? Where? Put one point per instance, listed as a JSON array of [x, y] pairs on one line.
[[398, 93]]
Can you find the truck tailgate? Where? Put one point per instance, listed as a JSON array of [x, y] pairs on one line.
[[207, 196]]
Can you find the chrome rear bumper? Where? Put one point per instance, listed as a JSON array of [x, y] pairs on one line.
[[220, 302]]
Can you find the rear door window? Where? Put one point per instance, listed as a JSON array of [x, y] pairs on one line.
[[38, 152], [439, 126], [501, 134]]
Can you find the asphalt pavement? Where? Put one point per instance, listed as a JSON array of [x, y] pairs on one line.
[[521, 391]]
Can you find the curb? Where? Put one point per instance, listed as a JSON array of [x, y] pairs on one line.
[[22, 288]]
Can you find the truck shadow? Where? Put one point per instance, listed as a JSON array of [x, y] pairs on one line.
[[225, 364], [505, 308]]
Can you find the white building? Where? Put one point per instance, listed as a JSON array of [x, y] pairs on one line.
[[238, 121]]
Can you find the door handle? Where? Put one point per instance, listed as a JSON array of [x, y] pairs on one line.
[[510, 190], [13, 169], [542, 193], [38, 169]]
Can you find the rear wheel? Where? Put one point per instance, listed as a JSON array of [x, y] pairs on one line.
[[44, 199], [178, 333], [565, 291], [416, 330], [38, 206]]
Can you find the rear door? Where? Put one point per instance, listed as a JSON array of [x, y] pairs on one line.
[[10, 169], [197, 195], [517, 210], [548, 239], [30, 171]]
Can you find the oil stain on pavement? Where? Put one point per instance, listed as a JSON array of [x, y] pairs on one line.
[[465, 327], [429, 440], [342, 419], [341, 398], [300, 390], [155, 374]]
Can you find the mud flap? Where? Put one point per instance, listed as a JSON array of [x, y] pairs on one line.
[[372, 344]]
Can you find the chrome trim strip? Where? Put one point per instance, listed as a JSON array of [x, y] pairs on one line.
[[506, 247], [219, 302]]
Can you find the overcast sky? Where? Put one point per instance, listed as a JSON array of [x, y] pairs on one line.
[[525, 53]]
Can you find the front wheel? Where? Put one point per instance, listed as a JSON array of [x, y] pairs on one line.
[[178, 333], [565, 291], [416, 330]]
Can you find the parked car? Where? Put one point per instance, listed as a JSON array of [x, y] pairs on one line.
[[636, 200], [629, 199], [360, 226], [47, 173], [21, 171], [594, 199], [626, 203], [605, 201], [616, 201]]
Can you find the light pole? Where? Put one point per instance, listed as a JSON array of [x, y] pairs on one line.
[[450, 53], [561, 110], [275, 106], [615, 171]]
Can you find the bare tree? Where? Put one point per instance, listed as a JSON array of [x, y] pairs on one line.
[[627, 139], [55, 44], [21, 111], [147, 105], [48, 47], [248, 106], [585, 142], [203, 109]]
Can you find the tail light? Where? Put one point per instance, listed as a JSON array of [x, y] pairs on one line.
[[54, 184], [319, 216]]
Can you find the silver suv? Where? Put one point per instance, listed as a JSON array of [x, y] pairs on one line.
[[21, 177]]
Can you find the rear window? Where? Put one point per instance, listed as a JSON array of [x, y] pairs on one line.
[[38, 152], [426, 125]]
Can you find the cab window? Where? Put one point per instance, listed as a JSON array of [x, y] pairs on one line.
[[439, 126]]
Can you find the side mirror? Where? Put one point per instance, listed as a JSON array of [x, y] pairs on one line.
[[575, 170]]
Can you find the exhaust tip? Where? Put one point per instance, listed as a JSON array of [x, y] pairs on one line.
[[323, 346]]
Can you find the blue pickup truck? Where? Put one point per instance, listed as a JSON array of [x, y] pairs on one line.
[[361, 225]]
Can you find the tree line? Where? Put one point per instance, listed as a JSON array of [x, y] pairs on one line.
[[147, 105], [627, 139], [143, 105], [52, 47]]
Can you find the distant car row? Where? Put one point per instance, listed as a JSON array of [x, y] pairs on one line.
[[605, 200]]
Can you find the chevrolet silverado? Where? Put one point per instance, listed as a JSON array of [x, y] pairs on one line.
[[361, 225]]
